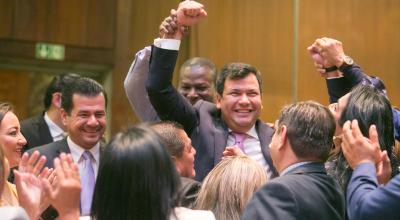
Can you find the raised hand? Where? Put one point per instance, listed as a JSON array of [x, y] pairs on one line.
[[169, 26], [64, 194], [29, 191], [358, 149], [190, 12], [32, 164]]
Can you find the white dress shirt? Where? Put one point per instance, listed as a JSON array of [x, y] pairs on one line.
[[77, 151], [56, 132]]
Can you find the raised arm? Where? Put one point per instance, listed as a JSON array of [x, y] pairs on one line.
[[135, 89], [365, 198], [166, 100], [340, 72]]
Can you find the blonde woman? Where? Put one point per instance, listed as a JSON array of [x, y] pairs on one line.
[[229, 186]]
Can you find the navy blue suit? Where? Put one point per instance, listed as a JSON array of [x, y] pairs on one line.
[[366, 200]]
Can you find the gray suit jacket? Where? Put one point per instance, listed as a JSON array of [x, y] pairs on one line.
[[202, 122], [36, 131], [52, 151], [306, 192]]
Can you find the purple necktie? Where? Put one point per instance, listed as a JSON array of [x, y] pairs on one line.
[[239, 139], [88, 182]]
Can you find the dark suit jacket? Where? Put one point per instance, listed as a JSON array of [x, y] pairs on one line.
[[366, 200], [36, 132], [306, 192], [188, 191], [52, 151], [202, 122]]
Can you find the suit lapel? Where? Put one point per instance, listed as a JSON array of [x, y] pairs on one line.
[[62, 147], [265, 134], [220, 140]]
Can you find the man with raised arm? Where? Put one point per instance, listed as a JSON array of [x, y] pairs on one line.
[[233, 120]]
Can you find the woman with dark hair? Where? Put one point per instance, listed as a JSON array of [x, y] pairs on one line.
[[368, 106], [138, 180]]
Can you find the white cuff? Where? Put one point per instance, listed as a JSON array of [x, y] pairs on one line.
[[334, 77], [168, 44]]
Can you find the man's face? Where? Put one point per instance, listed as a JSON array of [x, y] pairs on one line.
[[185, 163], [240, 103], [196, 83], [337, 109], [87, 122]]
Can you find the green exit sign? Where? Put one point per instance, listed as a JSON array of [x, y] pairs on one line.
[[50, 51]]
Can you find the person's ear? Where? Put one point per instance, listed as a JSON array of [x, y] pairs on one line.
[[56, 99], [282, 136], [218, 101]]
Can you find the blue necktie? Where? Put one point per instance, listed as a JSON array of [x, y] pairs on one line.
[[88, 182]]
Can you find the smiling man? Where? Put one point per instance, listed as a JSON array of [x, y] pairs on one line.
[[233, 120], [83, 112]]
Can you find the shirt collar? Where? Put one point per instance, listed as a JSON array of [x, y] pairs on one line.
[[77, 151], [55, 130], [293, 166], [252, 132]]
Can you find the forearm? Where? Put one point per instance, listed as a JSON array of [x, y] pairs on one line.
[[169, 104], [366, 200], [135, 89]]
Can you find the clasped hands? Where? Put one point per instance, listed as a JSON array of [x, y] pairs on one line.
[[187, 14]]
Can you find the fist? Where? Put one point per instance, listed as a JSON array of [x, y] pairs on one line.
[[190, 12]]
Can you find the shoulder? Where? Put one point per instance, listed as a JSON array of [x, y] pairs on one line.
[[29, 122], [58, 146], [182, 213], [275, 200]]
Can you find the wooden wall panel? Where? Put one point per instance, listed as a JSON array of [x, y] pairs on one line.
[[14, 89], [101, 23], [5, 18], [30, 20], [256, 32], [137, 26], [86, 23], [369, 32]]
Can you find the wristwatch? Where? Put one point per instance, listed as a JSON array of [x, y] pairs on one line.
[[347, 61]]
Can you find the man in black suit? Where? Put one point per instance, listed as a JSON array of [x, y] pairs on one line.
[[211, 127], [83, 112], [48, 127], [299, 148]]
